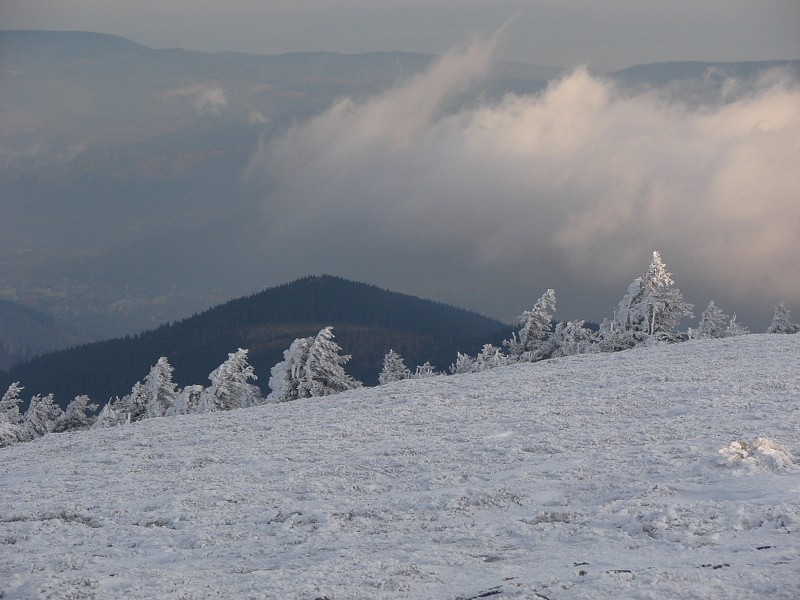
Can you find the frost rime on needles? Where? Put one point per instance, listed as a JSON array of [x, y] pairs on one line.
[[653, 305], [311, 367]]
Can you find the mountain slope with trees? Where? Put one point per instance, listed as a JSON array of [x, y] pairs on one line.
[[368, 322]]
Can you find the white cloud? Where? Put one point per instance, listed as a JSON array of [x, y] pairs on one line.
[[573, 187], [210, 101]]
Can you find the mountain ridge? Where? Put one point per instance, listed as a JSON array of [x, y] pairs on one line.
[[368, 321]]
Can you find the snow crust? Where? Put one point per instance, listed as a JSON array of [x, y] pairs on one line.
[[663, 472]]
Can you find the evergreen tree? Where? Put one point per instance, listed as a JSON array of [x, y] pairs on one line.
[[112, 414], [712, 322], [572, 338], [188, 401], [653, 306], [160, 391], [611, 338], [11, 428], [286, 376], [531, 342], [229, 385], [464, 364], [735, 328], [394, 369], [42, 415], [780, 321], [133, 406], [490, 357], [323, 372], [75, 416]]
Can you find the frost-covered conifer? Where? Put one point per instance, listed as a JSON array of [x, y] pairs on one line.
[[571, 338], [323, 372], [531, 342], [611, 338], [188, 401], [76, 415], [653, 306], [286, 376], [490, 357], [514, 347], [11, 429], [464, 364], [42, 415], [712, 322], [394, 369], [780, 321], [112, 414], [229, 387], [161, 393], [134, 405], [735, 328]]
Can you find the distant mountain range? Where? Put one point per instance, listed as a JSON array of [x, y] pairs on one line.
[[368, 322]]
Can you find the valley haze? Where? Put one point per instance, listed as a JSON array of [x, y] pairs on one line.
[[147, 184]]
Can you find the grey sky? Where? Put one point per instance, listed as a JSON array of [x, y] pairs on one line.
[[609, 34]]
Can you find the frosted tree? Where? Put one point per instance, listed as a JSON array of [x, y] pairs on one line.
[[394, 369], [490, 357], [571, 338], [286, 376], [712, 322], [611, 338], [42, 415], [188, 401], [735, 328], [653, 306], [464, 364], [424, 371], [112, 414], [531, 342], [323, 372], [780, 321], [230, 387], [11, 429], [133, 406], [76, 415], [161, 393]]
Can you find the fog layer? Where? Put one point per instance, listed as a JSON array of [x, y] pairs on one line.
[[486, 204]]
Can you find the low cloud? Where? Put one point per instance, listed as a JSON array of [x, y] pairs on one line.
[[572, 188], [210, 101]]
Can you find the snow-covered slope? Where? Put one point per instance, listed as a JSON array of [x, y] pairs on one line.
[[585, 477]]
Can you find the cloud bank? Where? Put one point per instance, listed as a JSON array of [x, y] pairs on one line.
[[486, 204]]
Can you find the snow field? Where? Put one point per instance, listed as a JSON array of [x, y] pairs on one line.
[[592, 476]]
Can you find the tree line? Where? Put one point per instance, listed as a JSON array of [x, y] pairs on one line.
[[649, 312]]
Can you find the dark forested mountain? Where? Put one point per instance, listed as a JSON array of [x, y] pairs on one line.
[[368, 322]]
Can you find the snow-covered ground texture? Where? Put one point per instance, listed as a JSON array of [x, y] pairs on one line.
[[664, 472]]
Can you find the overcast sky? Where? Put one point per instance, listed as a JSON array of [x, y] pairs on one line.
[[603, 35]]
